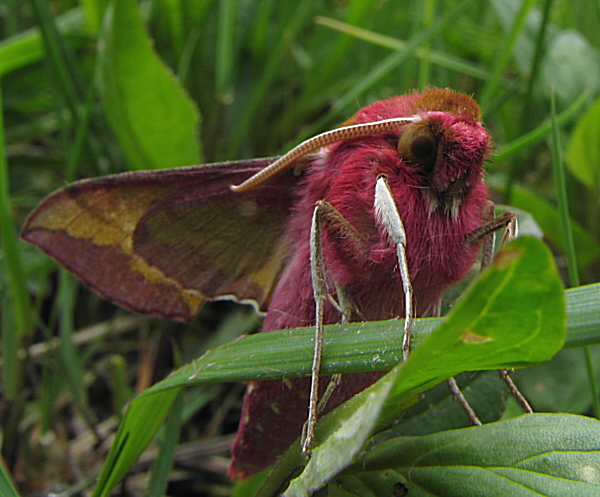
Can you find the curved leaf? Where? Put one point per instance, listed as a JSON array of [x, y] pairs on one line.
[[531, 455], [583, 153], [154, 119]]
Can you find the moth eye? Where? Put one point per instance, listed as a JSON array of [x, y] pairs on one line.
[[424, 148], [418, 145]]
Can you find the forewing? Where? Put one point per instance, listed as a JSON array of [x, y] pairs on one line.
[[161, 242]]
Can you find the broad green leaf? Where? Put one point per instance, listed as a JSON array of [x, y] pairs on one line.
[[154, 120], [513, 316], [531, 455], [563, 384], [437, 410], [583, 152]]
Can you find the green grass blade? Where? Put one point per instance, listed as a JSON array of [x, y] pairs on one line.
[[157, 485], [67, 79], [225, 50], [517, 146], [505, 52], [11, 364], [81, 135], [135, 432], [536, 62], [357, 11], [563, 203], [357, 347], [7, 488], [442, 59], [326, 74], [27, 48], [583, 316], [18, 295], [69, 82], [69, 355], [425, 65]]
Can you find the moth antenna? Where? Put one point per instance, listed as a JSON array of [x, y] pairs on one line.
[[326, 138]]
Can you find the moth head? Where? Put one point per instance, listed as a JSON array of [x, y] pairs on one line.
[[446, 148]]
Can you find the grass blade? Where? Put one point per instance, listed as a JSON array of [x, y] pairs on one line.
[[505, 53], [442, 59], [18, 295]]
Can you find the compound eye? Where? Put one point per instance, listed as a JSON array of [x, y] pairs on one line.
[[419, 145], [424, 148]]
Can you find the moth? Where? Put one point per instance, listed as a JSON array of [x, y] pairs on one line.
[[162, 242]]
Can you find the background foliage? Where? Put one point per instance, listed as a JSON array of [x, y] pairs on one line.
[[85, 93]]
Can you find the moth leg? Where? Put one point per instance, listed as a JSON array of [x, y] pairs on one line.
[[436, 312], [334, 382], [336, 379], [325, 216], [488, 231], [458, 395], [507, 220], [514, 390], [389, 218], [320, 293]]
